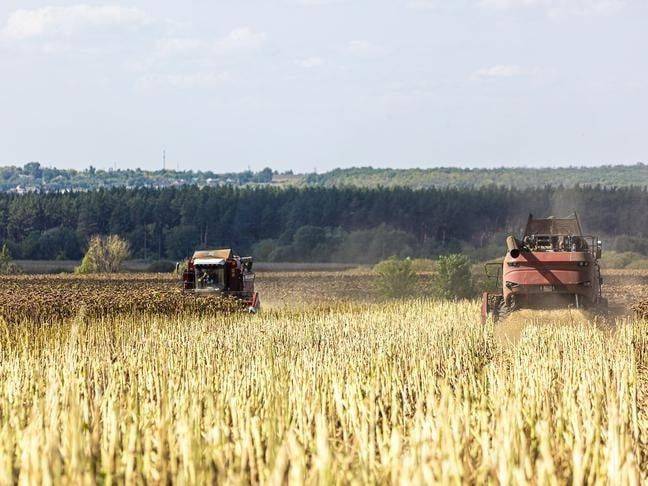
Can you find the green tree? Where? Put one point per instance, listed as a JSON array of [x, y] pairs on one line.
[[263, 249], [375, 244], [264, 176], [182, 241], [453, 279], [7, 266], [312, 243], [34, 169], [57, 243], [105, 254], [396, 277]]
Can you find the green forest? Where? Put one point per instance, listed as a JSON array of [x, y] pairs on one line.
[[517, 177], [358, 225]]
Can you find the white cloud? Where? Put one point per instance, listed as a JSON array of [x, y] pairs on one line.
[[560, 8], [194, 62], [314, 3], [442, 6], [67, 21], [310, 62], [504, 71], [425, 4], [190, 80], [241, 38], [363, 48], [180, 45]]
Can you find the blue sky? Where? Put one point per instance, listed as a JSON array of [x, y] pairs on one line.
[[318, 84]]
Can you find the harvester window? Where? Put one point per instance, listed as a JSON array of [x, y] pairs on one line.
[[555, 243], [210, 277]]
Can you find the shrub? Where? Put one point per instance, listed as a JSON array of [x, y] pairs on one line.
[[625, 243], [396, 278], [626, 259], [453, 279], [105, 254], [264, 248], [640, 264], [423, 265], [7, 266]]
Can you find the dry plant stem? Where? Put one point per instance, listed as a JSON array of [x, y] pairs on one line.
[[411, 391]]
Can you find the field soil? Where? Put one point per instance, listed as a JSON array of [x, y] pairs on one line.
[[278, 289], [625, 287], [314, 284]]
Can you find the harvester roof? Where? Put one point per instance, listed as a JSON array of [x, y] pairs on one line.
[[224, 254], [208, 261], [553, 226]]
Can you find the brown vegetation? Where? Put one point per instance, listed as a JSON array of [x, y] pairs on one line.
[[53, 298], [641, 309]]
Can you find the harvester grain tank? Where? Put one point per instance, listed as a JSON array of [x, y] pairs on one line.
[[222, 272], [553, 265]]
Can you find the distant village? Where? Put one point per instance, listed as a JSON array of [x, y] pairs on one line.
[[35, 178]]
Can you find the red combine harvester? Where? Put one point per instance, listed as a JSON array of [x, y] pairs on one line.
[[222, 272], [553, 265]]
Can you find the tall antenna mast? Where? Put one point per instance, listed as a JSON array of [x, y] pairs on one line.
[[164, 159]]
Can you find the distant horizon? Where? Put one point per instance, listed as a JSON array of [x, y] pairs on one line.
[[368, 166]]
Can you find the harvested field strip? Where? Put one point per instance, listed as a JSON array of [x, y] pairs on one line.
[[47, 299], [641, 309]]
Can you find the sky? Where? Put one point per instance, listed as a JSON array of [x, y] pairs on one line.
[[308, 85]]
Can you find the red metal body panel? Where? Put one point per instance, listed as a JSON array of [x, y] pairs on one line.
[[564, 272]]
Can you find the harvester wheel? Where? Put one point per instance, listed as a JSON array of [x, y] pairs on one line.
[[496, 305], [502, 310]]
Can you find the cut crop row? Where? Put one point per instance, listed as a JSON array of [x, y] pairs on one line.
[[44, 299]]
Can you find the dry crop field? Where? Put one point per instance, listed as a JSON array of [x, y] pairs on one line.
[[305, 288], [331, 387], [625, 287], [49, 298]]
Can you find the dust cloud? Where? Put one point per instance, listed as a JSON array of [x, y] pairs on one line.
[[510, 330]]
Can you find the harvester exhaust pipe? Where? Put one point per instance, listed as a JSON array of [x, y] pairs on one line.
[[512, 246]]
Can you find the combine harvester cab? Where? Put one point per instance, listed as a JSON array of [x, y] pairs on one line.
[[554, 265], [222, 272]]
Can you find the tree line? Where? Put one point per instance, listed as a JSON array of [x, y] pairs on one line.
[[309, 224], [33, 177], [519, 177]]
